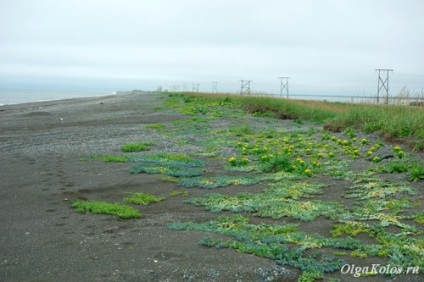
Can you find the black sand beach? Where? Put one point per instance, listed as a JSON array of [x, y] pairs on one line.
[[43, 239]]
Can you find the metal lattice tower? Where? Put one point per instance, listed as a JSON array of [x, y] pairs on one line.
[[383, 85], [284, 85], [214, 87], [196, 87], [245, 87]]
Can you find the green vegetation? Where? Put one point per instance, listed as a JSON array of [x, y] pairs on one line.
[[273, 241], [138, 198], [403, 123], [366, 215], [115, 159], [100, 207], [218, 181], [137, 147], [416, 172], [167, 164], [158, 127]]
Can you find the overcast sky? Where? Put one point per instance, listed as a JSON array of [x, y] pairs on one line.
[[325, 46]]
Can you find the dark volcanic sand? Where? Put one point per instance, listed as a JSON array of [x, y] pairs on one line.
[[43, 239]]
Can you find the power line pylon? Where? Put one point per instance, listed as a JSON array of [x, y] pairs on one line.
[[245, 87], [196, 87], [214, 87], [383, 84], [284, 85]]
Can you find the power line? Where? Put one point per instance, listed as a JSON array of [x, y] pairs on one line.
[[383, 84]]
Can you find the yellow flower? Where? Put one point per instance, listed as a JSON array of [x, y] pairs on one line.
[[232, 161], [400, 154], [364, 141], [376, 159], [245, 161]]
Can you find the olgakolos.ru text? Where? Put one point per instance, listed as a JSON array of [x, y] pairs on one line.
[[376, 268]]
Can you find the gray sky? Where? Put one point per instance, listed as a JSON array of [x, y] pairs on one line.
[[324, 46]]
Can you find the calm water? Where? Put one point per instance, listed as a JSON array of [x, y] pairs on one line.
[[15, 96]]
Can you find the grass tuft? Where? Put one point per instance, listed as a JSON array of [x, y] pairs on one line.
[[101, 207], [137, 147], [139, 198]]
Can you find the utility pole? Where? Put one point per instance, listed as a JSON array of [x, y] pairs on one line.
[[284, 85], [383, 84], [214, 87], [245, 87], [184, 87]]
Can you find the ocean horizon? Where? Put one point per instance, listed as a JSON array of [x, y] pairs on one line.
[[21, 96]]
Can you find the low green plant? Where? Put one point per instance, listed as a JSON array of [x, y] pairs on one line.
[[115, 159], [137, 147], [218, 181], [416, 173], [275, 202], [167, 169], [101, 207], [139, 198], [169, 179], [158, 127], [178, 193], [168, 164], [283, 243], [311, 276]]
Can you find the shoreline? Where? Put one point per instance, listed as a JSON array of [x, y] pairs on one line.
[[70, 100], [74, 95]]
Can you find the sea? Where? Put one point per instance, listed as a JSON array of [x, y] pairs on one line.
[[19, 96]]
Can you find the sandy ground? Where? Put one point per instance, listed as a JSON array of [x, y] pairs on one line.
[[43, 239]]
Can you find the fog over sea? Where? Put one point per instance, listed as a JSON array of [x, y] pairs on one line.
[[19, 96]]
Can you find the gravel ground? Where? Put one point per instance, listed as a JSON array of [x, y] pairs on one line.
[[43, 239]]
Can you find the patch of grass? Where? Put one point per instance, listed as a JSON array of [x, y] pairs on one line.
[[139, 198], [168, 164], [276, 202], [158, 127], [115, 159], [101, 207], [416, 173], [218, 181], [170, 159], [283, 243], [167, 169], [169, 179], [137, 147], [392, 122]]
